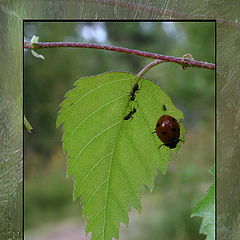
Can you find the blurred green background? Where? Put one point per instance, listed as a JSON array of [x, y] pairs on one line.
[[166, 212]]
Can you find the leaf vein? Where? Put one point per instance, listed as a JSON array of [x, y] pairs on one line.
[[95, 217], [118, 202], [141, 160], [93, 168], [92, 90], [71, 134], [91, 140], [93, 194], [98, 235], [107, 191], [128, 181]]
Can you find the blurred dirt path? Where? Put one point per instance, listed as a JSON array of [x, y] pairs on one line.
[[67, 230], [73, 229]]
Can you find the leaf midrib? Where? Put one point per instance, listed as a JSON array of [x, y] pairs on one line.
[[110, 172]]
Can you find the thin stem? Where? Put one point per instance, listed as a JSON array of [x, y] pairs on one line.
[[182, 61], [148, 67]]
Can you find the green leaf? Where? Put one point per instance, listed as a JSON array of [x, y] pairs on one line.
[[27, 125], [212, 170], [110, 158], [206, 209]]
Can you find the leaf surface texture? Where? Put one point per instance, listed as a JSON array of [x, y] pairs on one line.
[[110, 158]]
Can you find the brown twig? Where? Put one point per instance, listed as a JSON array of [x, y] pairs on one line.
[[182, 61]]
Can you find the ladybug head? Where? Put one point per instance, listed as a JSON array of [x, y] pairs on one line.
[[171, 144]]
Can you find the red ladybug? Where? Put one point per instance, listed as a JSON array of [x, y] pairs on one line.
[[168, 131]]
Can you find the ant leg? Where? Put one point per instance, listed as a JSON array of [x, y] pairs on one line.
[[160, 146]]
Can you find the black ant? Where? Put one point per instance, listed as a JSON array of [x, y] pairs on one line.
[[133, 92], [130, 114]]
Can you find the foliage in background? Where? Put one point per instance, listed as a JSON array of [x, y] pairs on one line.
[[206, 209]]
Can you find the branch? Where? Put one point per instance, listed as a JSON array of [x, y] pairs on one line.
[[182, 61]]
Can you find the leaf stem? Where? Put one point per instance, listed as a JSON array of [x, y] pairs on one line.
[[148, 67], [181, 61]]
